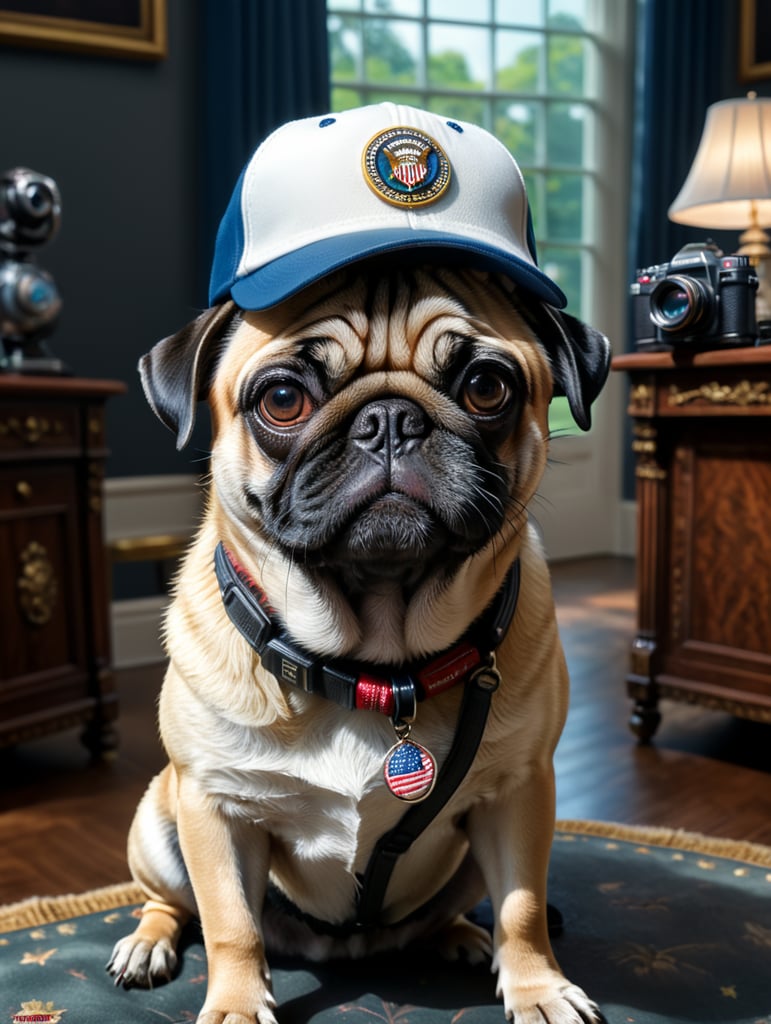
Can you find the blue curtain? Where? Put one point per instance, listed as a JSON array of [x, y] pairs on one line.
[[263, 62], [686, 60]]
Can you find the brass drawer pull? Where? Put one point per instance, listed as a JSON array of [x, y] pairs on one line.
[[24, 490]]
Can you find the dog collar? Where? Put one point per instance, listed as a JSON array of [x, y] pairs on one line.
[[392, 692]]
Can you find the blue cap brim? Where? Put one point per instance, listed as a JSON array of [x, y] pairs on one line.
[[287, 275]]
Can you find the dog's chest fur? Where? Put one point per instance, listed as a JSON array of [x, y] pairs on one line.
[[314, 779]]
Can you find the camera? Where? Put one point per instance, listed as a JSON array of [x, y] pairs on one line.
[[701, 298], [30, 214]]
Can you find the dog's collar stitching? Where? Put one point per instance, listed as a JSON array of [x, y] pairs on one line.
[[393, 694]]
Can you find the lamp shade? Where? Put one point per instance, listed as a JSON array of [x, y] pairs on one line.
[[729, 183]]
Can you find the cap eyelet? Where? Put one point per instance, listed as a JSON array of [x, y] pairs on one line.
[[325, 122], [455, 126]]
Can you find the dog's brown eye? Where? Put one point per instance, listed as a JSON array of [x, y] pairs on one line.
[[284, 404], [486, 393]]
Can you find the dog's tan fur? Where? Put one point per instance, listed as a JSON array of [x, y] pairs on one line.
[[267, 782]]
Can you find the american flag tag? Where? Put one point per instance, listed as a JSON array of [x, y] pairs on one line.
[[409, 771]]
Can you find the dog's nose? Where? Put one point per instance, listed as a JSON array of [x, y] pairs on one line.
[[390, 427]]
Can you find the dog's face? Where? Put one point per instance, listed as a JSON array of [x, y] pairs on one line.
[[382, 432], [382, 428]]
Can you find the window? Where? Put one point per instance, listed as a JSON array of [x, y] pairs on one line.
[[553, 80], [527, 70]]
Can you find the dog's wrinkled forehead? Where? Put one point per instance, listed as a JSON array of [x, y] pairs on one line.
[[381, 320], [400, 321]]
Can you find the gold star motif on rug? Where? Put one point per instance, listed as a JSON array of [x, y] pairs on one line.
[[729, 991], [38, 958]]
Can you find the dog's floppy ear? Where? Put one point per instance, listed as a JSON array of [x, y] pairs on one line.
[[579, 356], [177, 371]]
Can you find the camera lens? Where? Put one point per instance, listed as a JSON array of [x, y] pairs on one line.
[[30, 210], [678, 302], [674, 305], [36, 200]]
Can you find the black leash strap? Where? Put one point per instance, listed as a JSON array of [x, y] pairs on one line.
[[472, 720]]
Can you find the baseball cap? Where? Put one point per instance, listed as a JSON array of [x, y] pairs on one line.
[[324, 192]]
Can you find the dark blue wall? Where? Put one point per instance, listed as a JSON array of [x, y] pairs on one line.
[[120, 138]]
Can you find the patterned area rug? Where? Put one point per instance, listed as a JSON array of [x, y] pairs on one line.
[[659, 927]]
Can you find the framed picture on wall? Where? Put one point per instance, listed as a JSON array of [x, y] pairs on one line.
[[121, 28], [755, 40]]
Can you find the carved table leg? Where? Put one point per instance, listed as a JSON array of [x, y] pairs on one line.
[[101, 739], [645, 719], [651, 478]]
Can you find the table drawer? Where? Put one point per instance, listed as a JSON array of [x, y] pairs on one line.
[[44, 425]]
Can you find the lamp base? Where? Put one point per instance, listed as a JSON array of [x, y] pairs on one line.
[[754, 242]]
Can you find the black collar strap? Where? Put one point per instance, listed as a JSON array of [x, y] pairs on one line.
[[392, 693]]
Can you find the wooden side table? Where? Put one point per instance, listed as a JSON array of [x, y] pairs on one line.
[[702, 440], [54, 592]]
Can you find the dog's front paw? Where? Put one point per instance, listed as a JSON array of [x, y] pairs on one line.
[[463, 940], [563, 1004], [263, 1016], [142, 962]]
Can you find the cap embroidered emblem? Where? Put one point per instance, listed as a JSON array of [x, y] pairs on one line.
[[406, 167]]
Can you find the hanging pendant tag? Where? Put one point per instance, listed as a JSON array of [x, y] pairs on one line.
[[409, 771]]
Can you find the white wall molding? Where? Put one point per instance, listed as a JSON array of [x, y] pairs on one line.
[[139, 506], [136, 631], [142, 506]]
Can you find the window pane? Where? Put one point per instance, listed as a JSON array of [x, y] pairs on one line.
[[458, 57], [462, 108], [518, 57], [411, 99], [568, 13], [516, 125], [392, 51], [345, 54], [564, 206], [564, 267], [460, 10], [519, 12], [561, 423], [565, 124], [345, 5], [408, 8], [566, 63], [345, 99]]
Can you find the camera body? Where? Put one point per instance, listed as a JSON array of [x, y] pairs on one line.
[[30, 214], [700, 299]]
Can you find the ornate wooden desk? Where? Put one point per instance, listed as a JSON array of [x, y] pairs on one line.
[[54, 596], [702, 440]]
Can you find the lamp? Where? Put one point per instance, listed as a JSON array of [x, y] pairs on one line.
[[729, 183]]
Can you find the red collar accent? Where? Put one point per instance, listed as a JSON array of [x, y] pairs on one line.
[[391, 692]]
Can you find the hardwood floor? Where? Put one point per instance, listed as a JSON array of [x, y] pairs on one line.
[[64, 820]]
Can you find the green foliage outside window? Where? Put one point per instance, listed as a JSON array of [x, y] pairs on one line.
[[532, 100]]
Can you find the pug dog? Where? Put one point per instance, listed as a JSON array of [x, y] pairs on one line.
[[365, 684]]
